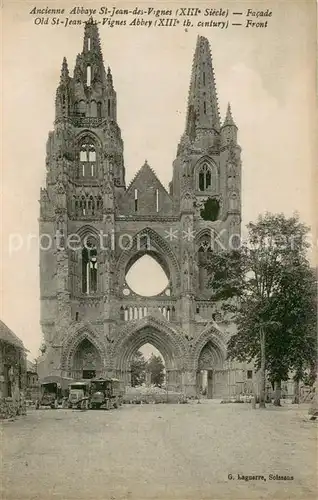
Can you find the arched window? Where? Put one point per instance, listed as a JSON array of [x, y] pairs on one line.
[[89, 268], [207, 178], [88, 159]]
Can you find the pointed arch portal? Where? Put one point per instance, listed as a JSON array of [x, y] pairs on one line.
[[83, 353], [208, 358], [86, 362], [163, 338]]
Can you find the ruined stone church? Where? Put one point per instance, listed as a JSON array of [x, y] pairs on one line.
[[92, 321]]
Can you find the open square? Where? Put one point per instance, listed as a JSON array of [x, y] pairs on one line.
[[182, 452]]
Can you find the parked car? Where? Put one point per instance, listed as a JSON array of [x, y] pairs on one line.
[[79, 395], [51, 395], [105, 393]]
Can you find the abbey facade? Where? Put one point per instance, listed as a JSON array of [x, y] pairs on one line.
[[92, 322]]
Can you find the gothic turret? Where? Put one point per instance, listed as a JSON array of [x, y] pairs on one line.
[[111, 96], [65, 77], [63, 100], [229, 129], [202, 112]]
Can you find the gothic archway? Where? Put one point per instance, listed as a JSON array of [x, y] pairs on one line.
[[210, 363], [149, 242], [149, 330], [82, 350], [86, 362], [208, 358]]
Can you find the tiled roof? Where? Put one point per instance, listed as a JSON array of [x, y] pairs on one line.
[[8, 336]]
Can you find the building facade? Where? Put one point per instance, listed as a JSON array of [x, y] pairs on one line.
[[32, 384], [92, 321], [12, 372]]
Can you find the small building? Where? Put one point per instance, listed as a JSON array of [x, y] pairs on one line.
[[13, 371], [32, 385]]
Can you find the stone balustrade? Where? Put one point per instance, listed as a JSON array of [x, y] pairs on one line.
[[132, 311]]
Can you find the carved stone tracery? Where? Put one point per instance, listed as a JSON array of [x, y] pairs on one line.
[[99, 200]]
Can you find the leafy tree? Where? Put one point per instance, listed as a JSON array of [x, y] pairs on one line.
[[138, 369], [296, 306], [266, 286], [156, 367]]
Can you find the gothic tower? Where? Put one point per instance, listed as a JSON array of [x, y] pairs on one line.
[[92, 321]]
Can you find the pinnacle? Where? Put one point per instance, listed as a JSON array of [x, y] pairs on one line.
[[64, 71], [109, 78], [229, 118], [202, 40]]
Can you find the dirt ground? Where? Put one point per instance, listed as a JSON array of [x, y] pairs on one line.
[[184, 452]]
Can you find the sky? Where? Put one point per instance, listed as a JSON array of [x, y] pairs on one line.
[[268, 75]]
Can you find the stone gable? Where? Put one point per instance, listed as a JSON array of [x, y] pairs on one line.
[[146, 195]]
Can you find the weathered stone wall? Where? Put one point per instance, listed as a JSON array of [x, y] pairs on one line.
[[181, 321]]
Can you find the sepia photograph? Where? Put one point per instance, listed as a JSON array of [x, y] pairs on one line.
[[158, 324]]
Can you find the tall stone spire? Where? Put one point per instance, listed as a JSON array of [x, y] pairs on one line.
[[203, 111]]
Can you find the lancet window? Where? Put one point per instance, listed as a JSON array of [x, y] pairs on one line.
[[88, 159], [89, 268], [207, 177], [206, 244]]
